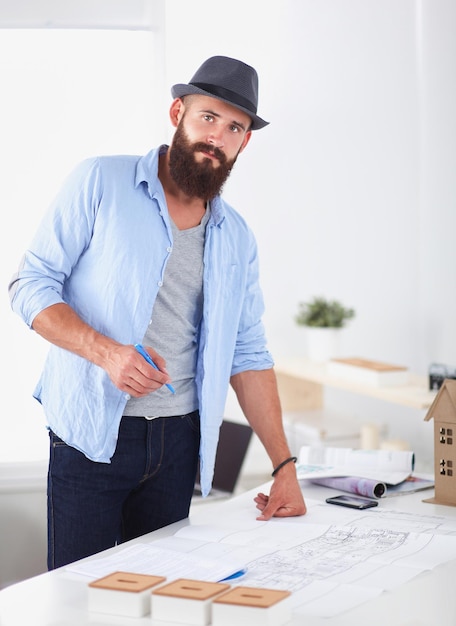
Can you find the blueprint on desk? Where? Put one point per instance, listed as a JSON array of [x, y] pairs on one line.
[[330, 567]]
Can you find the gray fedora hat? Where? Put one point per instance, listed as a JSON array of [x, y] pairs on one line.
[[229, 80]]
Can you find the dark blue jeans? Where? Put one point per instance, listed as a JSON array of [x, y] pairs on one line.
[[148, 484]]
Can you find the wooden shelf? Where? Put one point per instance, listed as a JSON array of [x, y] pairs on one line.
[[301, 383]]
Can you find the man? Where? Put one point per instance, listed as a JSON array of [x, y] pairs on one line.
[[143, 250]]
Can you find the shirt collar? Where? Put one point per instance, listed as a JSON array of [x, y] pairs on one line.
[[147, 170], [217, 210]]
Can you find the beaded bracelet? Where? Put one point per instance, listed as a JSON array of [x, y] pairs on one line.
[[291, 459]]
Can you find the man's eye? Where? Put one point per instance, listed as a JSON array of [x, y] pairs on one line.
[[235, 129], [208, 118]]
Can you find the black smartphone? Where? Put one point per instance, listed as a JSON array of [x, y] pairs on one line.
[[353, 502]]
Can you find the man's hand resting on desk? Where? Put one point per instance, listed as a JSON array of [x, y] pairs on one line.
[[285, 498]]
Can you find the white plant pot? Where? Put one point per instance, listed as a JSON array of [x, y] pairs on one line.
[[323, 344]]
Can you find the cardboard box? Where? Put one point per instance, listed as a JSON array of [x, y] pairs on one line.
[[123, 593], [366, 372], [186, 601], [253, 606]]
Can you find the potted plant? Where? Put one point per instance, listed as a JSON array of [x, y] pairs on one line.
[[323, 319], [323, 313]]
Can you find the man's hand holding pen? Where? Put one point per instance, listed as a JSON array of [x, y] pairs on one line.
[[131, 372]]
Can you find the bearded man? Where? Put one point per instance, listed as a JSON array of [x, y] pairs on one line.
[[145, 283]]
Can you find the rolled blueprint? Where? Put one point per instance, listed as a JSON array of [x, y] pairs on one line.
[[353, 484]]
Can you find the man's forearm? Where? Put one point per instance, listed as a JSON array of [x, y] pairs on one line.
[[258, 397], [127, 369], [61, 325]]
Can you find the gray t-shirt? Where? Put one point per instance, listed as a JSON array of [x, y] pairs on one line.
[[174, 326]]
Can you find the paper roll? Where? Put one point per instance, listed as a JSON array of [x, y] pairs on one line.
[[361, 486]]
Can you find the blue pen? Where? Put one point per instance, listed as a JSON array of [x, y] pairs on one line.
[[238, 574], [146, 355]]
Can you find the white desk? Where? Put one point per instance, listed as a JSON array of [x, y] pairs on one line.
[[57, 598]]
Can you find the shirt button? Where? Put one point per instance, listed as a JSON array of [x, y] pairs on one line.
[[168, 249], [127, 396], [160, 283]]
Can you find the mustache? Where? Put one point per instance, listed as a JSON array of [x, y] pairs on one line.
[[200, 146]]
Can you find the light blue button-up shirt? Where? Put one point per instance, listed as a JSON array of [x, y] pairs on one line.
[[102, 248]]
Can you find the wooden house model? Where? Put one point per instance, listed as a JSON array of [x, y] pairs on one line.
[[443, 412]]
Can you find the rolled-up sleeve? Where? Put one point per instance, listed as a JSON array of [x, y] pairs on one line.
[[62, 237], [251, 352]]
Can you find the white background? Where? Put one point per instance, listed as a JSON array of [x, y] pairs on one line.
[[351, 190]]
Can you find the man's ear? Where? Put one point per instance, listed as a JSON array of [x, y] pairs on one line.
[[248, 134], [176, 111]]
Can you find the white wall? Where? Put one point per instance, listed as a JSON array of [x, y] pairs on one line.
[[351, 189], [57, 110], [437, 72]]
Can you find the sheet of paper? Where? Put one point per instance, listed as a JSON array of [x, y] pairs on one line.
[[410, 485], [332, 602], [329, 567], [146, 558], [340, 553]]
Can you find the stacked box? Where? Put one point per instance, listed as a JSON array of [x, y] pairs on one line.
[[252, 606], [123, 593], [186, 601]]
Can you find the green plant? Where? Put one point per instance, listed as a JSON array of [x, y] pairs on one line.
[[323, 313]]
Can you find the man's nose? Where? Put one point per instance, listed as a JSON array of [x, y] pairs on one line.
[[215, 138]]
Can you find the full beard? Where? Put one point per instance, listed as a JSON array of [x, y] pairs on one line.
[[200, 180]]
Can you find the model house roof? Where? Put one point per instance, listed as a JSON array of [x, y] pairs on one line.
[[444, 404]]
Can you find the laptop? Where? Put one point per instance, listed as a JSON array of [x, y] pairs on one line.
[[232, 448]]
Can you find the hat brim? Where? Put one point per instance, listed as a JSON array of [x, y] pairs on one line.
[[180, 90]]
